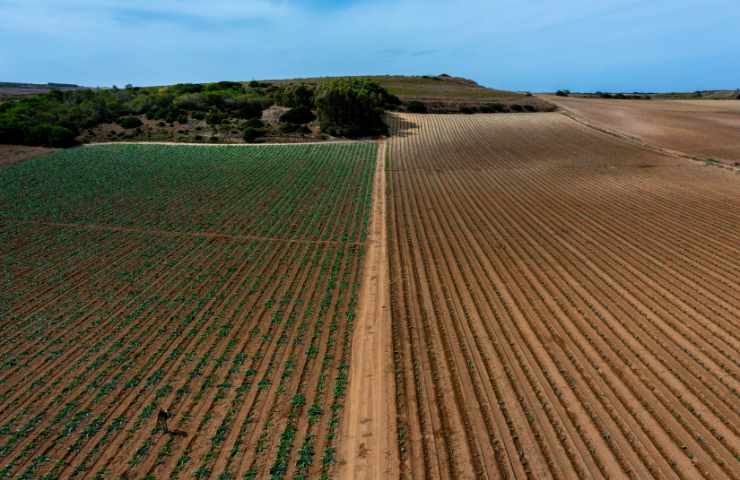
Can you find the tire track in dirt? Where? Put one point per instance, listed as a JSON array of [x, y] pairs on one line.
[[368, 447]]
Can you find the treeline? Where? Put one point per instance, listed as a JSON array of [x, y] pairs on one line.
[[345, 107], [616, 96]]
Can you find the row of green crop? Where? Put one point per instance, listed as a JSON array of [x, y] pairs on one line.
[[111, 326], [289, 190]]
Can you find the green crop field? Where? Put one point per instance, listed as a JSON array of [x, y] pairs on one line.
[[216, 283]]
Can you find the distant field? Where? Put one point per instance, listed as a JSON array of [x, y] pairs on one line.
[[217, 283], [707, 129], [564, 304]]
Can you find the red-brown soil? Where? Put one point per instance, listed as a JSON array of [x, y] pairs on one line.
[[707, 129], [564, 304], [367, 448], [244, 340], [17, 153]]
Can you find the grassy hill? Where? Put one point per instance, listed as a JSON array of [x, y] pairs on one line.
[[234, 112], [444, 93]]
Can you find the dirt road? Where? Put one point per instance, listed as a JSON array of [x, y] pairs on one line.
[[368, 444]]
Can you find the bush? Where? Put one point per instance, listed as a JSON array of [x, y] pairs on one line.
[[352, 107], [530, 108], [129, 122], [51, 136], [245, 108], [415, 106], [251, 134], [224, 86], [199, 116], [289, 127], [516, 108], [563, 93], [299, 115], [215, 117], [11, 134], [295, 96], [255, 123], [468, 110], [187, 88]]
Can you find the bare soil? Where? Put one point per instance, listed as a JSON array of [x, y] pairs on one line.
[[17, 153], [564, 304], [707, 129], [244, 340], [368, 442]]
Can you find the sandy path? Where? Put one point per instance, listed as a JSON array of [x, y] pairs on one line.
[[368, 446]]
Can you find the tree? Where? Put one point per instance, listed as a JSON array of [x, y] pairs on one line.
[[295, 96], [415, 106], [352, 107], [299, 115]]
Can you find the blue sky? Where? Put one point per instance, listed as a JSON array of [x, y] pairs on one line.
[[537, 45]]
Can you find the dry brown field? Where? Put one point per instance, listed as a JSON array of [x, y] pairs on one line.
[[564, 304], [706, 129]]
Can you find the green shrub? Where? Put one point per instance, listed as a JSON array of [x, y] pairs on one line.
[[255, 123], [51, 136], [516, 108], [224, 86], [199, 116], [246, 108], [129, 122], [11, 133], [289, 127], [215, 117], [298, 115], [181, 88], [251, 134], [295, 96], [468, 110], [530, 108], [415, 106], [562, 93]]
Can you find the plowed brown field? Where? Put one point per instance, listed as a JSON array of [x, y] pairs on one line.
[[564, 305], [218, 284], [706, 129]]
